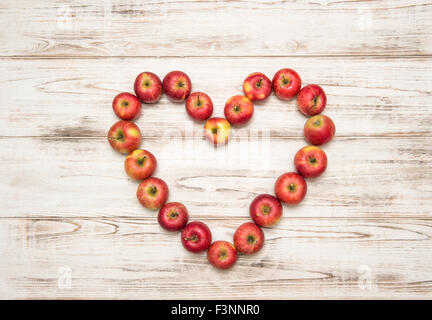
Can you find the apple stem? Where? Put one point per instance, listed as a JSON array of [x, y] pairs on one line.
[[259, 82], [285, 80], [194, 238]]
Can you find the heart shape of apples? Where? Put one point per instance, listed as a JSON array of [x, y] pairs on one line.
[[266, 209]]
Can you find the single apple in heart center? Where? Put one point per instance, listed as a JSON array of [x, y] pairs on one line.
[[217, 130]]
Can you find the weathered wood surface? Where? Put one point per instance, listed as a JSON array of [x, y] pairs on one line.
[[135, 258], [215, 28], [67, 208], [376, 177]]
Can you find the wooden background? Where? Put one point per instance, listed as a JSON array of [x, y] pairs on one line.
[[71, 226]]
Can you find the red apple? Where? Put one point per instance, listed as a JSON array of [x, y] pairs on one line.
[[173, 216], [199, 106], [124, 136], [126, 106], [311, 100], [286, 84], [196, 236], [148, 87], [140, 164], [217, 130], [310, 161], [265, 210], [290, 188], [319, 129], [152, 193], [177, 86], [257, 86], [238, 110], [248, 238], [222, 255]]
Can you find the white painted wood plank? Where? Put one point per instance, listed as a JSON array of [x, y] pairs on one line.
[[366, 96], [377, 177], [302, 258], [215, 28]]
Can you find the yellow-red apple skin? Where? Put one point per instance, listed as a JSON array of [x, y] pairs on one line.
[[242, 234], [148, 87], [126, 106], [238, 110], [124, 136], [222, 255], [140, 164], [304, 165], [196, 236], [257, 86], [286, 84], [177, 86], [152, 201], [170, 222], [262, 217], [199, 106], [290, 188], [311, 100], [223, 130], [319, 129]]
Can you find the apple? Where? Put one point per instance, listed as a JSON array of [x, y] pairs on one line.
[[124, 136], [311, 100], [177, 86], [310, 161], [286, 84], [290, 188], [152, 193], [222, 255], [196, 236], [126, 106], [140, 164], [199, 106], [248, 238], [173, 216], [148, 87], [257, 86], [265, 210], [319, 129], [217, 130], [238, 110]]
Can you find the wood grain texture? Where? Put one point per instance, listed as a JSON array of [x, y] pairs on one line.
[[302, 258], [68, 211], [84, 178], [240, 28], [366, 96]]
